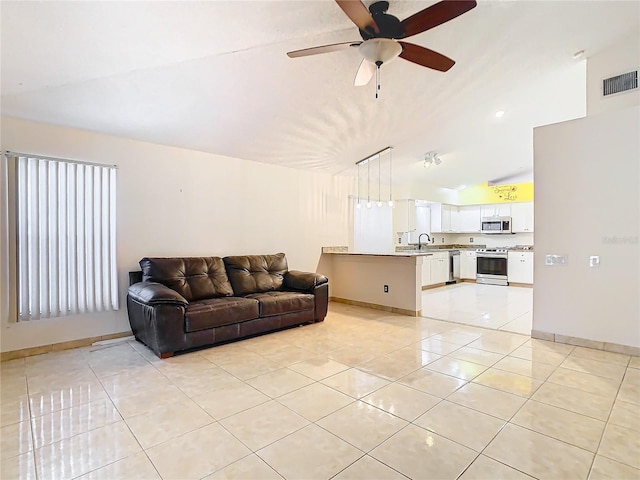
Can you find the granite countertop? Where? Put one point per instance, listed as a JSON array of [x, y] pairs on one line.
[[401, 253], [389, 254], [412, 250]]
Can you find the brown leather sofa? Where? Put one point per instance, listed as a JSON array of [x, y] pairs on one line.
[[182, 303]]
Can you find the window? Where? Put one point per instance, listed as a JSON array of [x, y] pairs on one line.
[[65, 223]]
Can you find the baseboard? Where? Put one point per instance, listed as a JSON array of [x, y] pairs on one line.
[[375, 306], [583, 342], [56, 347], [525, 285]]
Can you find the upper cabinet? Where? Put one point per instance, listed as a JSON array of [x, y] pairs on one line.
[[441, 214], [522, 217], [452, 219], [496, 210], [423, 223], [404, 216], [467, 219]]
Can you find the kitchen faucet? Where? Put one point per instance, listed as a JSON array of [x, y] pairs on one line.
[[419, 240]]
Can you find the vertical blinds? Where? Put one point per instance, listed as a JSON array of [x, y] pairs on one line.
[[66, 223]]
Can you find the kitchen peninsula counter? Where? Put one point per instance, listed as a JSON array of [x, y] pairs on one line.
[[390, 281]]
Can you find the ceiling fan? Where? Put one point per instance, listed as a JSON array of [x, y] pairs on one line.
[[381, 31]]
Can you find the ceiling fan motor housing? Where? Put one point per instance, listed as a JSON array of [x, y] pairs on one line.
[[388, 25]]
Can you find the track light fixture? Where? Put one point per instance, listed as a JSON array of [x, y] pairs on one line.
[[431, 158]]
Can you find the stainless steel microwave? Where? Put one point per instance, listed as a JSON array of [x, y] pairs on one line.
[[496, 225]]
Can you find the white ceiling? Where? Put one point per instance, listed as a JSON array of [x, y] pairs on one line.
[[214, 76]]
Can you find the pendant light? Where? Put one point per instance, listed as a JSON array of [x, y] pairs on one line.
[[358, 187], [390, 200], [369, 183], [367, 161], [379, 181]]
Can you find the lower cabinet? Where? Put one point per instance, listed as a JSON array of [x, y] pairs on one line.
[[435, 269], [426, 271], [468, 265], [520, 267]]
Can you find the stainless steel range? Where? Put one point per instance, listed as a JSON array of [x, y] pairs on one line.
[[492, 266]]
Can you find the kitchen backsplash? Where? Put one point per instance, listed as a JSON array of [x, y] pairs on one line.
[[489, 240]]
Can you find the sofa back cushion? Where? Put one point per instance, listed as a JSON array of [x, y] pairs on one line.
[[195, 278], [256, 273]]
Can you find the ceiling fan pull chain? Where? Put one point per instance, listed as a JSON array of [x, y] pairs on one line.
[[378, 63]]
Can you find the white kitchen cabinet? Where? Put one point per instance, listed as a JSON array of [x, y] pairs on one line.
[[468, 265], [441, 214], [440, 273], [423, 222], [447, 212], [495, 210], [426, 271], [468, 219], [435, 269], [520, 267], [522, 217], [404, 216], [439, 268], [456, 219]]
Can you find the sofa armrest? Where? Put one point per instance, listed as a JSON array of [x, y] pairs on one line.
[[303, 281], [152, 293]]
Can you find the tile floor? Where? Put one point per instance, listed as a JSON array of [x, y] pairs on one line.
[[490, 306], [363, 395]]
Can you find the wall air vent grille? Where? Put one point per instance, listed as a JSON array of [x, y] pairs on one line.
[[620, 83]]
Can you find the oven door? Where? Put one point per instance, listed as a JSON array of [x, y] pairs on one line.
[[491, 269]]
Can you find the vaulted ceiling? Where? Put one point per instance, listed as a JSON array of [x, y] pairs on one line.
[[214, 76]]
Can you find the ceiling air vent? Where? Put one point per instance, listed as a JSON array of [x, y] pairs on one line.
[[620, 83]]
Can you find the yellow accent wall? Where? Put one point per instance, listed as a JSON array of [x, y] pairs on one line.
[[483, 193]]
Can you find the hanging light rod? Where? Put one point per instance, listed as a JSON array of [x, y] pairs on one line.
[[364, 161]]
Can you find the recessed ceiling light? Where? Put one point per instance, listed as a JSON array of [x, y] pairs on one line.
[[499, 113]]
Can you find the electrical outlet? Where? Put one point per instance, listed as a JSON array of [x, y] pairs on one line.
[[442, 239], [470, 239], [386, 289]]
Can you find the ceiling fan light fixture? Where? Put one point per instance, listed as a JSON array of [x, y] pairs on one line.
[[380, 50]]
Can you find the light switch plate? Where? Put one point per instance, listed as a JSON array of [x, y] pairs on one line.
[[594, 261], [555, 260]]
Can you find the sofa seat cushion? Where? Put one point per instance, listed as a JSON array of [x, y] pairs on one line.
[[279, 303], [216, 312]]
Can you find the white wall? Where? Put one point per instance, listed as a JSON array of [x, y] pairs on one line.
[[588, 203], [175, 202], [622, 57], [372, 227], [425, 191]]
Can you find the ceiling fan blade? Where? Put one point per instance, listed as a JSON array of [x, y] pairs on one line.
[[365, 73], [435, 15], [334, 47], [358, 14], [425, 57]]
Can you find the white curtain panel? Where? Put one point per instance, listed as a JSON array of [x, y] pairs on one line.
[[66, 222]]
